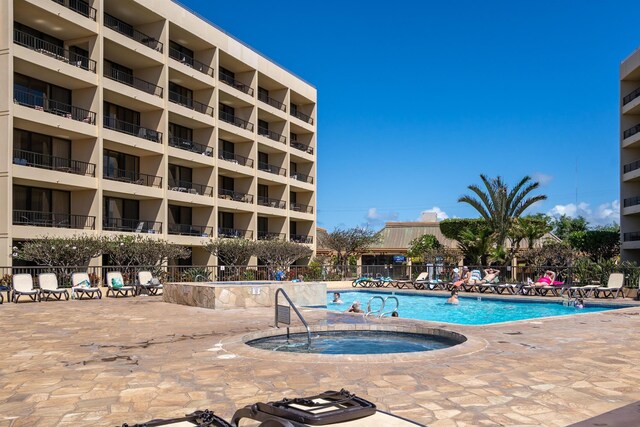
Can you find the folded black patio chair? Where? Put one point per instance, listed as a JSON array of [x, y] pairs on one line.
[[204, 418]]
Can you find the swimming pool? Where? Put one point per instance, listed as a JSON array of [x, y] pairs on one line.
[[472, 310]]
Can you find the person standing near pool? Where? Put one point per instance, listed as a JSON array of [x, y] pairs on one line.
[[453, 299]]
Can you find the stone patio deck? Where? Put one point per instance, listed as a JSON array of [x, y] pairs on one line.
[[105, 362]]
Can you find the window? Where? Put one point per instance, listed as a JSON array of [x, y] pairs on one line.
[[113, 111], [179, 214], [293, 167], [118, 72], [225, 219], [79, 56], [263, 159], [180, 53], [263, 190], [293, 197], [180, 95], [293, 228], [52, 44], [227, 183], [263, 224], [263, 127], [227, 146], [121, 166], [293, 137], [177, 131], [121, 214], [179, 175], [294, 109], [227, 73], [44, 200], [228, 110], [34, 92]]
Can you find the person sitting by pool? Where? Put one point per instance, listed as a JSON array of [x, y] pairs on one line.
[[453, 299], [464, 279], [475, 277], [336, 298], [355, 308], [490, 274], [546, 280]]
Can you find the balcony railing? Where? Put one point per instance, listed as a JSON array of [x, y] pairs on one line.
[[80, 7], [190, 230], [302, 147], [272, 203], [299, 207], [235, 195], [185, 101], [630, 132], [132, 177], [267, 235], [235, 233], [631, 201], [226, 78], [44, 161], [127, 30], [131, 225], [632, 236], [272, 135], [302, 177], [132, 129], [632, 166], [190, 62], [266, 167], [185, 144], [302, 116], [30, 42], [234, 120], [190, 187], [633, 95], [130, 80], [273, 102], [40, 103], [236, 158], [54, 220], [301, 238]]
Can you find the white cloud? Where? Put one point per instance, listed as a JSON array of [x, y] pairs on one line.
[[542, 178], [375, 218], [427, 215], [604, 214]]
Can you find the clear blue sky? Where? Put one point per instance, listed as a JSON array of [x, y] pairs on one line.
[[417, 98]]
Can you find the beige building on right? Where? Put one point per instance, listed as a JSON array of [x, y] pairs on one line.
[[630, 157]]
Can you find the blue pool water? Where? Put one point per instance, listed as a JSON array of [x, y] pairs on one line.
[[472, 310]]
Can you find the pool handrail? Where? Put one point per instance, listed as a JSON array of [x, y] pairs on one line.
[[369, 311], [393, 297], [295, 309]]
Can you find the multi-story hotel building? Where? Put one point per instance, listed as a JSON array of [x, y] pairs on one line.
[[137, 116]]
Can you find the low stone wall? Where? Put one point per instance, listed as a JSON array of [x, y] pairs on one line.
[[228, 295]]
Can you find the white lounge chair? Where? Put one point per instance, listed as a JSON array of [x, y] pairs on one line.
[[49, 287], [148, 282], [23, 285], [81, 286], [613, 288], [118, 291]]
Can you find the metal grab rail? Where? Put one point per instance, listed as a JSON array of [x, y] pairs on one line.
[[369, 311], [381, 311], [395, 310], [286, 316]]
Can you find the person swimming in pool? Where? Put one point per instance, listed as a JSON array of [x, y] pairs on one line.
[[453, 299], [355, 308], [336, 298]]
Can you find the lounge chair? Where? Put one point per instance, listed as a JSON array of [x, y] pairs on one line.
[[613, 288], [81, 287], [49, 287], [148, 282], [204, 418], [417, 283], [331, 408], [584, 291], [117, 291], [23, 285]]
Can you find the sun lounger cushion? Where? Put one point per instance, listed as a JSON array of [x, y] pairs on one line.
[[116, 283]]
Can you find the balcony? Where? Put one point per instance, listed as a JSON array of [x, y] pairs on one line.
[[631, 201], [79, 7], [302, 116], [265, 167], [190, 187], [236, 158], [130, 80], [235, 233], [273, 102], [187, 102], [630, 132], [235, 196], [299, 207], [633, 95], [132, 177], [187, 145], [226, 78], [54, 220], [190, 230], [131, 225], [132, 129], [128, 31], [272, 135], [301, 238], [302, 147], [40, 103], [190, 62], [272, 203], [30, 42], [266, 235], [302, 177], [631, 166], [44, 161], [236, 121]]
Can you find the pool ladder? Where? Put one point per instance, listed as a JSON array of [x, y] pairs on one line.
[[380, 312], [283, 314]]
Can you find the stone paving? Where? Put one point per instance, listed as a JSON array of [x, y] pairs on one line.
[[110, 361]]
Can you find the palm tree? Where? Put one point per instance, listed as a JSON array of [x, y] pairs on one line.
[[499, 205]]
